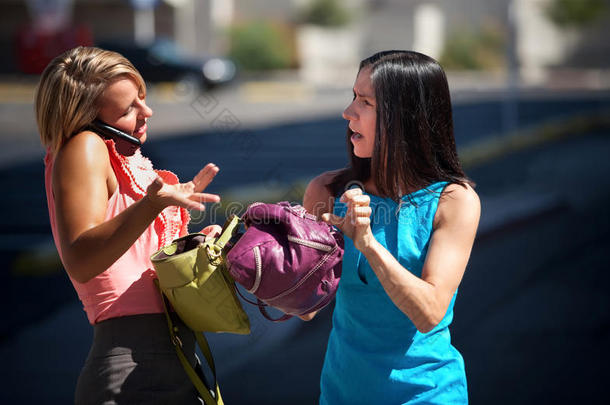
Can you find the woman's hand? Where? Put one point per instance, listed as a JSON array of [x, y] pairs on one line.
[[356, 224], [187, 195], [211, 231]]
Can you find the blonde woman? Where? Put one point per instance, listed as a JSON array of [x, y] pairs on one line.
[[109, 211]]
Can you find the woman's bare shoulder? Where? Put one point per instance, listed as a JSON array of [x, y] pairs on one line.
[[83, 154], [459, 202], [318, 199], [325, 178], [466, 194]]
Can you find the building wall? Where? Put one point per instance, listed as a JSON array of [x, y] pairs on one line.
[[592, 47], [389, 24], [473, 14], [264, 9], [382, 24], [540, 45], [114, 19]]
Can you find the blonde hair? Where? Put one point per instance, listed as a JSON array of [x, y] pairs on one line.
[[66, 99]]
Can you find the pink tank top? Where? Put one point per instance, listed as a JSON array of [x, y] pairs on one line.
[[126, 287]]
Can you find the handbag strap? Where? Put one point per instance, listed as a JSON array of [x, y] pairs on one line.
[[228, 230], [190, 371], [215, 250], [261, 307], [263, 310]]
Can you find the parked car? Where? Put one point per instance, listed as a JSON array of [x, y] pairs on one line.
[[164, 61]]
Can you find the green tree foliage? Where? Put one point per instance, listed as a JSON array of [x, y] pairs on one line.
[[326, 13], [259, 45], [575, 13], [475, 50]]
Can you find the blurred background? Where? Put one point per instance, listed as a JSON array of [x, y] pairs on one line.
[[258, 87]]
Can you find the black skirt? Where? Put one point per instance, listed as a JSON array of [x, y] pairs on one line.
[[132, 361]]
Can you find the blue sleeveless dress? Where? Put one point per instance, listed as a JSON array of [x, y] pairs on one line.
[[375, 355]]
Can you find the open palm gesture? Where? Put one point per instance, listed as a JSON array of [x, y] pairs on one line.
[[187, 195]]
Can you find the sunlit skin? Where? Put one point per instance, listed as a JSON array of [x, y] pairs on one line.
[[122, 107], [362, 115], [423, 300], [83, 181]]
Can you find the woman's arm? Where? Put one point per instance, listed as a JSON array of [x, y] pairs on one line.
[[424, 300], [89, 244], [317, 201]]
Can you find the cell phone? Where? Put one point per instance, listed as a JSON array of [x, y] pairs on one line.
[[126, 144]]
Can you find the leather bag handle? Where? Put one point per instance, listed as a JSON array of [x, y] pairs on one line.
[[262, 308], [228, 230]]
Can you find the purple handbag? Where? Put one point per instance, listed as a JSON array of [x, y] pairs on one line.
[[287, 258]]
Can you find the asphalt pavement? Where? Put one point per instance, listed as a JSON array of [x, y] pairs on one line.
[[532, 315]]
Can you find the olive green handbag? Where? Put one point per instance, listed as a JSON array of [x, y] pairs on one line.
[[210, 396], [193, 277]]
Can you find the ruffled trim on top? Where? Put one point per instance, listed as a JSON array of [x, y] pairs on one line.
[[135, 173]]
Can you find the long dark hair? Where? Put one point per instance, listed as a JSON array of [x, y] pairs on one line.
[[414, 143]]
